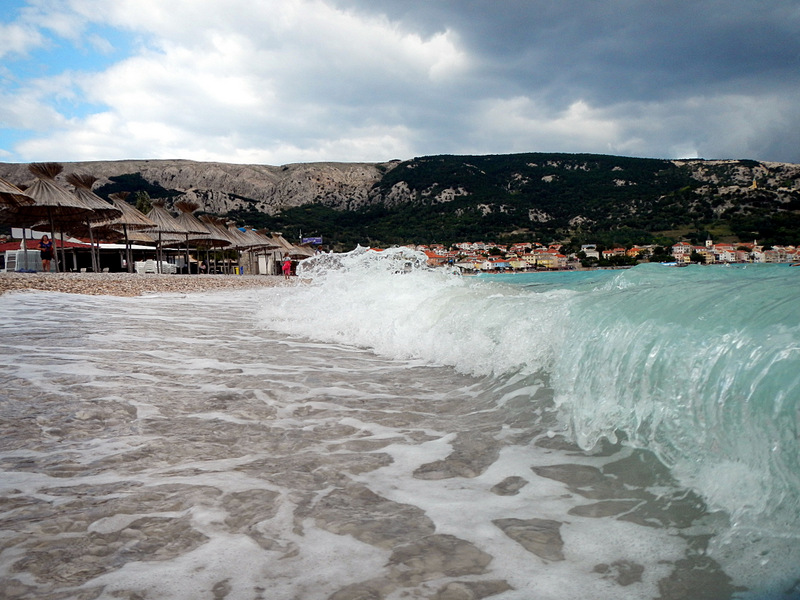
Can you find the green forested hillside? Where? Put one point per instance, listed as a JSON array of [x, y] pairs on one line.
[[545, 197]]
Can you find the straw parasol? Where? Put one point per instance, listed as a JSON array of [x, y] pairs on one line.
[[220, 236], [196, 231], [257, 240], [165, 224], [12, 196], [53, 201], [130, 220], [101, 210], [240, 241]]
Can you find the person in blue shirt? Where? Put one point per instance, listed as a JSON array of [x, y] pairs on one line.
[[46, 248]]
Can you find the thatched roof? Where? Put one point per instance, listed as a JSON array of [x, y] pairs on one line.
[[141, 237], [238, 239], [51, 201], [100, 231], [131, 218], [301, 252], [11, 195], [258, 241], [46, 192], [219, 233], [103, 211], [192, 224], [281, 243], [165, 222]]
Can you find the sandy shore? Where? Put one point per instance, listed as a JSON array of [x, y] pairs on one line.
[[127, 284]]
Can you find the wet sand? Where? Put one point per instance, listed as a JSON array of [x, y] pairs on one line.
[[132, 284]]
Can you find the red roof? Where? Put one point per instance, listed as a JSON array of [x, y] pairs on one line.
[[34, 245]]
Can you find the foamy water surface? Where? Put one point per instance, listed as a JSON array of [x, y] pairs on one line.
[[262, 445]]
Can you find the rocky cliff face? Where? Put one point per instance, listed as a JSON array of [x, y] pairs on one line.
[[220, 187]]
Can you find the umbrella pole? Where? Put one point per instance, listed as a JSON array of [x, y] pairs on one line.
[[24, 248], [53, 238], [63, 251], [128, 253], [188, 266], [95, 258]]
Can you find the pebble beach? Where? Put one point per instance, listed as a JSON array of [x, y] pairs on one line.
[[131, 284]]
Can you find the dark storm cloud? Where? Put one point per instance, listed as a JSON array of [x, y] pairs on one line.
[[733, 64], [619, 50]]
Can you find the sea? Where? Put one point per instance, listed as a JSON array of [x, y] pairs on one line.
[[382, 430]]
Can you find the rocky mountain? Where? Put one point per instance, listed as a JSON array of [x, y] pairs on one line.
[[220, 187], [447, 198]]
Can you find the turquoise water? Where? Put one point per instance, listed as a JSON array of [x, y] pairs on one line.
[[700, 365]]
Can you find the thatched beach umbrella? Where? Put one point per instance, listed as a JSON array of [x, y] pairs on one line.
[[12, 196], [130, 221], [214, 238], [240, 241], [220, 237], [57, 203], [101, 210], [258, 240], [165, 225], [197, 233]]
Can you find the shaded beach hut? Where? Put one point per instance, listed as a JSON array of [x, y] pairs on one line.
[[166, 227], [259, 246]]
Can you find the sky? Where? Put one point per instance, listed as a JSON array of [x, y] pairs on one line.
[[286, 81]]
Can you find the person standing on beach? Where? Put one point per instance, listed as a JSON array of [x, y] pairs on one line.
[[46, 248], [287, 266]]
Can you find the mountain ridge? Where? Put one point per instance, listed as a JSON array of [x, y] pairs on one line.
[[451, 197]]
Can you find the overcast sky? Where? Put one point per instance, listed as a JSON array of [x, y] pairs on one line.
[[282, 81]]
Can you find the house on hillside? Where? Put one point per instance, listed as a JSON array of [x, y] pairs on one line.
[[590, 250], [551, 259], [614, 252], [682, 251]]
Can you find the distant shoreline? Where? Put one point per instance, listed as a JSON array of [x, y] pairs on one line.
[[132, 284]]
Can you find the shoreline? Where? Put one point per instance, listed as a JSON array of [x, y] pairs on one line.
[[132, 284]]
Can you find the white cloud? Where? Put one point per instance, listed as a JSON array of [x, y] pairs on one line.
[[713, 126], [16, 38], [296, 76], [524, 123]]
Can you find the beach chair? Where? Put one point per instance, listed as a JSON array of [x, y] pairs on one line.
[[150, 266]]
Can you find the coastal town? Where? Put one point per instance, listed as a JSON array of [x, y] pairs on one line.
[[483, 257]]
